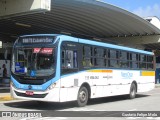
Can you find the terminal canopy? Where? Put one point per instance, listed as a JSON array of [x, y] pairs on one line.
[[80, 18]]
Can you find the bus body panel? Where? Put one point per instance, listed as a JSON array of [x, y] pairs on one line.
[[107, 85], [69, 88], [102, 81], [52, 95]]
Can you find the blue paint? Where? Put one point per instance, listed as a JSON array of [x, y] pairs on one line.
[[127, 75], [84, 41], [42, 87]]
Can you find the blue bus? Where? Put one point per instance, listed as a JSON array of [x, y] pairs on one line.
[[60, 68]]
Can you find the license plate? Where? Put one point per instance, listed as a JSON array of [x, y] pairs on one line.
[[29, 93]]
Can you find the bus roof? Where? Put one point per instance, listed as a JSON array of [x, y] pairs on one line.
[[102, 44], [96, 43], [114, 46], [40, 35]]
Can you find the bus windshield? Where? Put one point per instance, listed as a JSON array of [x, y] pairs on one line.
[[33, 62]]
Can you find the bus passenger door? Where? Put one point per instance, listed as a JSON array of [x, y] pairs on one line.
[[69, 69]]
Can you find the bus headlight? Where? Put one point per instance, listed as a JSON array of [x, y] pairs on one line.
[[51, 86]]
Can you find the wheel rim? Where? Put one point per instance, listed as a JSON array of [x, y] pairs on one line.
[[82, 96]]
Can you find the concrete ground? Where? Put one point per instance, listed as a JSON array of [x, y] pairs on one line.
[[5, 95]]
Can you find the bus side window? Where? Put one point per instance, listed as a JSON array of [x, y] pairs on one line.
[[150, 62], [69, 61], [134, 61], [113, 58], [99, 57], [87, 61], [123, 59]]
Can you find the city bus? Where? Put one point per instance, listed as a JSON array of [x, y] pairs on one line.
[[61, 68]]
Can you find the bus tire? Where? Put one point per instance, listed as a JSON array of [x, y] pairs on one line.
[[133, 90], [82, 97]]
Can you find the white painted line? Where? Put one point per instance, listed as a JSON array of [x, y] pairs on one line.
[[45, 118], [133, 118], [153, 118], [61, 118], [154, 94], [132, 110]]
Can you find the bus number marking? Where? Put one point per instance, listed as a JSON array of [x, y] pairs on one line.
[[108, 77], [94, 77], [91, 77]]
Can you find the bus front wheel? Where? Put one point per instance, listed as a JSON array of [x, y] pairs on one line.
[[82, 97], [133, 91]]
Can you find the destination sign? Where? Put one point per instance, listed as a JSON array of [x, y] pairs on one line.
[[36, 40], [43, 50]]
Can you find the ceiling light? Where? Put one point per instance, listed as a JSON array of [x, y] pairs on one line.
[[23, 25], [98, 39], [0, 44]]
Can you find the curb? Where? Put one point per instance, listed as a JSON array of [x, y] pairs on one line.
[[6, 98]]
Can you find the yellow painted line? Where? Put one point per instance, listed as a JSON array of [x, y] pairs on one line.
[[6, 98], [100, 71], [148, 73]]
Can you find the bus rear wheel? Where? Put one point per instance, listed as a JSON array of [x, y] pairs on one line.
[[82, 97], [133, 91]]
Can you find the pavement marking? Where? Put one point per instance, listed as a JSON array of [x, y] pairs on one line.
[[61, 118], [79, 109], [132, 110], [133, 118], [82, 109], [45, 118], [6, 98], [153, 118], [154, 94], [146, 118]]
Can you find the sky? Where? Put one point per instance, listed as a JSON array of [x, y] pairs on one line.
[[142, 8]]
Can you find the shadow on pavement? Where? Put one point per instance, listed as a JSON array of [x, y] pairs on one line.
[[36, 105], [113, 99]]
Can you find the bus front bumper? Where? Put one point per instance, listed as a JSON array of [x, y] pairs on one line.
[[48, 96]]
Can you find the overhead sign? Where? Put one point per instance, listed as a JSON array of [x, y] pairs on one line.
[[36, 39], [19, 7]]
